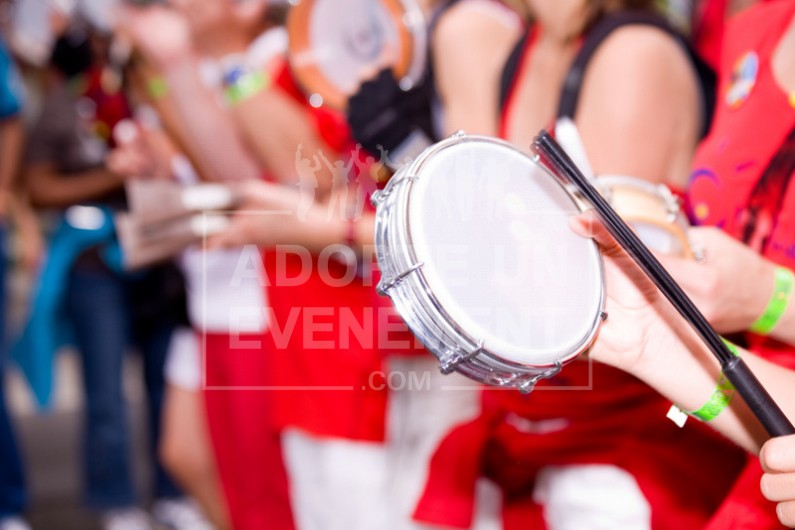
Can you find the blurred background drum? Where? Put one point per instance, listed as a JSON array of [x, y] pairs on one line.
[[652, 210], [334, 44]]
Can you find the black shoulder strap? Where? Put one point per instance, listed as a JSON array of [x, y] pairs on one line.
[[511, 69], [572, 86]]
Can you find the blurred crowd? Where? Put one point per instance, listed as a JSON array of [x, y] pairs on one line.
[[190, 180]]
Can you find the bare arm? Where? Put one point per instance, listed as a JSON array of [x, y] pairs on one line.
[[639, 110], [681, 368], [210, 136], [644, 335], [50, 188], [11, 138], [470, 46], [31, 240], [274, 125], [273, 215]]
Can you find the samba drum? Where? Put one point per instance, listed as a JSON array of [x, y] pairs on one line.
[[476, 253], [335, 43], [652, 210]]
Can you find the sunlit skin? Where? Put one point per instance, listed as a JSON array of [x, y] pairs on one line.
[[639, 105]]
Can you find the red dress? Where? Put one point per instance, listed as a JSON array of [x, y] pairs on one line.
[[753, 120]]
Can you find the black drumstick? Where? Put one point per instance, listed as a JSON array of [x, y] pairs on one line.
[[735, 369]]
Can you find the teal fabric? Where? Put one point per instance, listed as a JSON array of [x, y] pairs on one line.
[[48, 328]]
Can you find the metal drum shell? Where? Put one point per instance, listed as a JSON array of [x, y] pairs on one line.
[[403, 281]]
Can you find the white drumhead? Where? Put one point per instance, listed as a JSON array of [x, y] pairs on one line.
[[491, 227], [348, 37]]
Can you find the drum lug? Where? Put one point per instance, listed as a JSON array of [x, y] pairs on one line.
[[453, 361], [380, 196], [385, 285], [673, 204], [406, 84], [526, 386]]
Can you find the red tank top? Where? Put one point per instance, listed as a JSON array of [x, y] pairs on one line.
[[753, 120]]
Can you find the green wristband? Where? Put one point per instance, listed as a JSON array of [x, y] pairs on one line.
[[731, 347], [246, 86], [157, 88], [777, 305], [718, 401]]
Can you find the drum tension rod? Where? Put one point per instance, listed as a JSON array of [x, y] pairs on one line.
[[384, 286], [673, 205], [450, 363], [380, 196], [527, 386]]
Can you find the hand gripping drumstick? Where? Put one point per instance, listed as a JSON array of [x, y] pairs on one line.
[[734, 368]]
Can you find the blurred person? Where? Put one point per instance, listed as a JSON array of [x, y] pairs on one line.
[[84, 287], [209, 431], [461, 76], [12, 483], [245, 423], [314, 421], [468, 40], [143, 149]]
